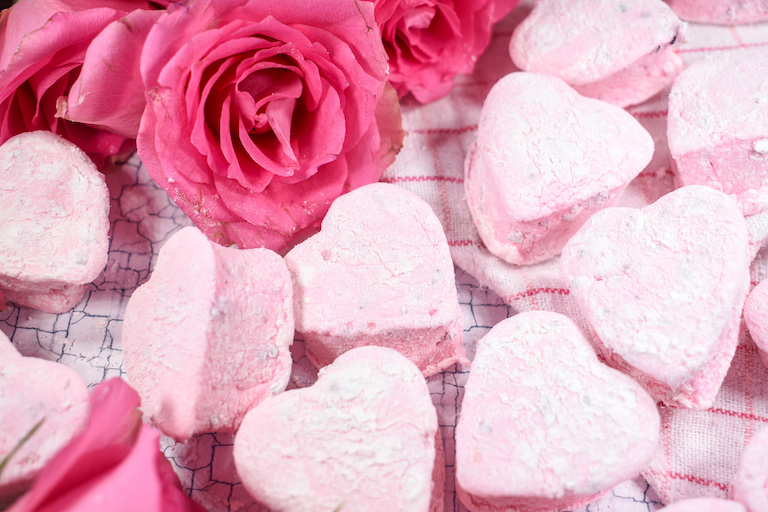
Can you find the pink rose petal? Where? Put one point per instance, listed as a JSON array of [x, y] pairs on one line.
[[115, 464], [109, 91]]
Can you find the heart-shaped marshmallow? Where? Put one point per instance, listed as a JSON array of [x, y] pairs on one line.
[[378, 273], [544, 425], [721, 12], [361, 438], [750, 485], [546, 159], [208, 337], [756, 318], [663, 288], [34, 390], [54, 221], [717, 126], [619, 52]]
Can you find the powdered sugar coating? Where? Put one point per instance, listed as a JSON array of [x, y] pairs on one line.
[[32, 390], [613, 44], [54, 209], [750, 485], [756, 318], [361, 438], [718, 126], [378, 273], [208, 337], [544, 425], [544, 161], [721, 12], [643, 277]]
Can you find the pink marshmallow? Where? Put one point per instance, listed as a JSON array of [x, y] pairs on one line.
[[750, 485], [208, 337], [544, 425], [721, 12], [644, 276], [613, 51], [378, 273], [704, 505], [756, 318], [32, 390], [54, 221], [546, 159], [361, 438], [718, 126]]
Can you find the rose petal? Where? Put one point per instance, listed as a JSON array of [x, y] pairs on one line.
[[106, 440], [138, 482], [235, 169], [285, 214], [109, 91], [27, 16], [360, 84], [430, 42], [180, 23], [318, 134]]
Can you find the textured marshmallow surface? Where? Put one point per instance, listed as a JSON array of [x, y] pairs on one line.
[[756, 318], [32, 390], [704, 505], [643, 277], [208, 337], [718, 126], [378, 273], [544, 425], [750, 485], [54, 221], [546, 159], [616, 51], [721, 12], [361, 439]]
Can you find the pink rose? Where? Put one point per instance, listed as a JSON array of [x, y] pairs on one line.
[[115, 464], [109, 92], [42, 47], [431, 41], [260, 113]]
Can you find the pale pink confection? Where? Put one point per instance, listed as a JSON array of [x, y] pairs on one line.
[[545, 425], [208, 336], [32, 390], [378, 273], [704, 505], [756, 318], [361, 439], [619, 52], [644, 277], [750, 485], [54, 221], [546, 159], [717, 126], [721, 12]]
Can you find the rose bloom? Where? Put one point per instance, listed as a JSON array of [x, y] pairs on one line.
[[42, 47], [114, 465], [108, 91], [429, 42], [259, 114]]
